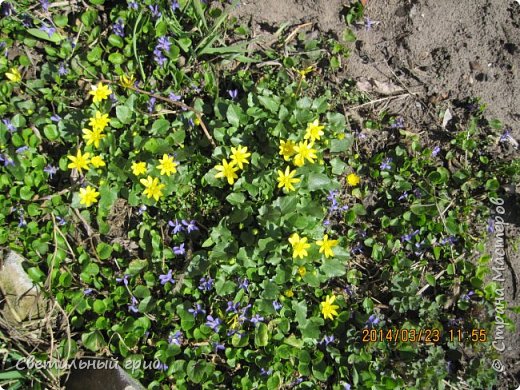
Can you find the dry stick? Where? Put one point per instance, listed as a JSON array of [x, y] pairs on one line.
[[173, 102], [384, 99], [295, 31]]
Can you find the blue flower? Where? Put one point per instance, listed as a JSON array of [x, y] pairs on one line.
[[8, 161], [22, 222], [133, 5], [175, 338], [277, 305], [45, 5], [22, 149], [48, 30], [133, 307], [159, 57], [218, 346], [205, 284], [51, 170], [327, 340], [467, 297], [156, 14], [403, 196], [164, 43], [119, 28], [233, 93], [167, 278], [151, 104], [87, 291], [163, 367], [124, 279], [408, 237], [491, 225], [174, 97], [190, 226], [62, 71], [60, 220], [256, 319], [213, 323], [265, 372], [142, 209], [179, 250], [385, 164], [9, 125], [372, 320], [197, 310], [175, 5], [436, 151], [369, 23], [398, 124], [177, 226], [244, 284], [55, 118], [232, 307]]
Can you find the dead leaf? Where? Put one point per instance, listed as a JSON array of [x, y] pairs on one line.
[[384, 88], [448, 116], [364, 2]]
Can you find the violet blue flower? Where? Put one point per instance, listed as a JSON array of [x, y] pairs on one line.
[[327, 340], [22, 149], [277, 305], [167, 278], [232, 307], [45, 5], [162, 367], [133, 5], [175, 338], [436, 151], [233, 93], [179, 250], [22, 222], [256, 319], [491, 225], [244, 284], [213, 323], [265, 372], [175, 5], [55, 118], [164, 43], [10, 127], [151, 104], [197, 310], [403, 196], [372, 320], [62, 70], [398, 124], [124, 279], [156, 14], [191, 226], [60, 220], [174, 97], [177, 226], [218, 346], [205, 284], [467, 297], [8, 161], [87, 291], [119, 28], [47, 29], [408, 237], [385, 164], [133, 307], [368, 23]]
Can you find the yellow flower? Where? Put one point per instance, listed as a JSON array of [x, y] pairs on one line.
[[289, 293], [302, 271], [138, 168], [99, 121], [287, 149], [326, 246], [127, 81], [153, 188], [196, 121], [304, 151], [93, 136], [227, 170], [239, 156], [14, 75], [299, 245], [167, 165], [97, 161], [314, 131], [328, 309], [80, 161], [100, 92], [88, 196], [287, 179], [353, 179], [304, 72]]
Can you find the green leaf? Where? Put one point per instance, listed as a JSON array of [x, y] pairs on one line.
[[116, 58], [104, 250], [51, 132], [319, 181], [160, 127], [107, 197], [124, 114], [270, 103], [93, 341], [116, 40], [234, 114], [333, 268], [236, 198], [261, 335], [341, 145], [300, 309], [55, 38]]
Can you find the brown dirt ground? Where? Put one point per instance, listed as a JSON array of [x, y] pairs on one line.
[[443, 51]]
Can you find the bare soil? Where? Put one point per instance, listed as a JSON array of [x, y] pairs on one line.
[[440, 53]]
